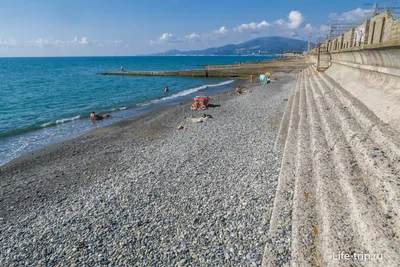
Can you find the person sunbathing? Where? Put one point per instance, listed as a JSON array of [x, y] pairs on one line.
[[203, 105], [238, 90], [195, 105]]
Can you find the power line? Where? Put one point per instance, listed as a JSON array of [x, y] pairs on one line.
[[338, 28], [376, 9]]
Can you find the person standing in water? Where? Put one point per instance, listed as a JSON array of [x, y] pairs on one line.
[[166, 89], [122, 69]]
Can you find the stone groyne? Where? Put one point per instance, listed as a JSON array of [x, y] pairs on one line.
[[238, 70]]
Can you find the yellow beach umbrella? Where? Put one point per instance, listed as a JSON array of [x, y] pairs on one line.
[[268, 74]]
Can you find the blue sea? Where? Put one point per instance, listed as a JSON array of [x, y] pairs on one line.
[[47, 100]]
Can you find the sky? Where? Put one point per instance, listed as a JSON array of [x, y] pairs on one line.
[[37, 28]]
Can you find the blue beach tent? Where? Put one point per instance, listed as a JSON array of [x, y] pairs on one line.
[[263, 78]]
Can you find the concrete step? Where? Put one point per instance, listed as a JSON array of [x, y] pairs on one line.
[[284, 126], [381, 133], [375, 165], [334, 230], [277, 248], [333, 197], [303, 214], [369, 159], [361, 201]]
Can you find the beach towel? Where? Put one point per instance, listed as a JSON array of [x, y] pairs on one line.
[[201, 119], [196, 119]]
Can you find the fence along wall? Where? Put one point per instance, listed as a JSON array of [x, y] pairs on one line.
[[382, 28]]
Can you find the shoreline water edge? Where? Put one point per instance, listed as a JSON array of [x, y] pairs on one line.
[[50, 133]]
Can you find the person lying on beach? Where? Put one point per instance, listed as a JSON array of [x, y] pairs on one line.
[[208, 116], [97, 117], [201, 119], [238, 90]]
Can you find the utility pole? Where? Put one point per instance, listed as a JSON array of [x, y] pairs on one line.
[[376, 9]]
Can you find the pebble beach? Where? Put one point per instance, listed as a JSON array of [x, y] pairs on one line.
[[144, 193]]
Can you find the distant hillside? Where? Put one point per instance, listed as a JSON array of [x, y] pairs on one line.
[[258, 46]]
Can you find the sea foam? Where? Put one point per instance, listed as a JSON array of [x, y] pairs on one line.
[[67, 119]]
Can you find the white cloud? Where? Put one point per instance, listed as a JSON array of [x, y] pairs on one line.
[[308, 32], [324, 28], [194, 37], [252, 27], [107, 43], [83, 41], [356, 15], [295, 20], [280, 26], [51, 42], [333, 16], [8, 42], [43, 42], [75, 42], [166, 38], [221, 31], [117, 42]]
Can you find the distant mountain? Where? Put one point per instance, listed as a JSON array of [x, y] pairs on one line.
[[258, 46]]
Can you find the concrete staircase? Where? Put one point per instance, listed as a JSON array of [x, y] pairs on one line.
[[339, 187]]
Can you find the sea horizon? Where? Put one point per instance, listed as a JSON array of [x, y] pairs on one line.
[[264, 55]]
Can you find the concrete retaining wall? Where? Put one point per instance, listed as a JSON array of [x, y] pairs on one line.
[[379, 91], [385, 57], [395, 31], [372, 76]]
